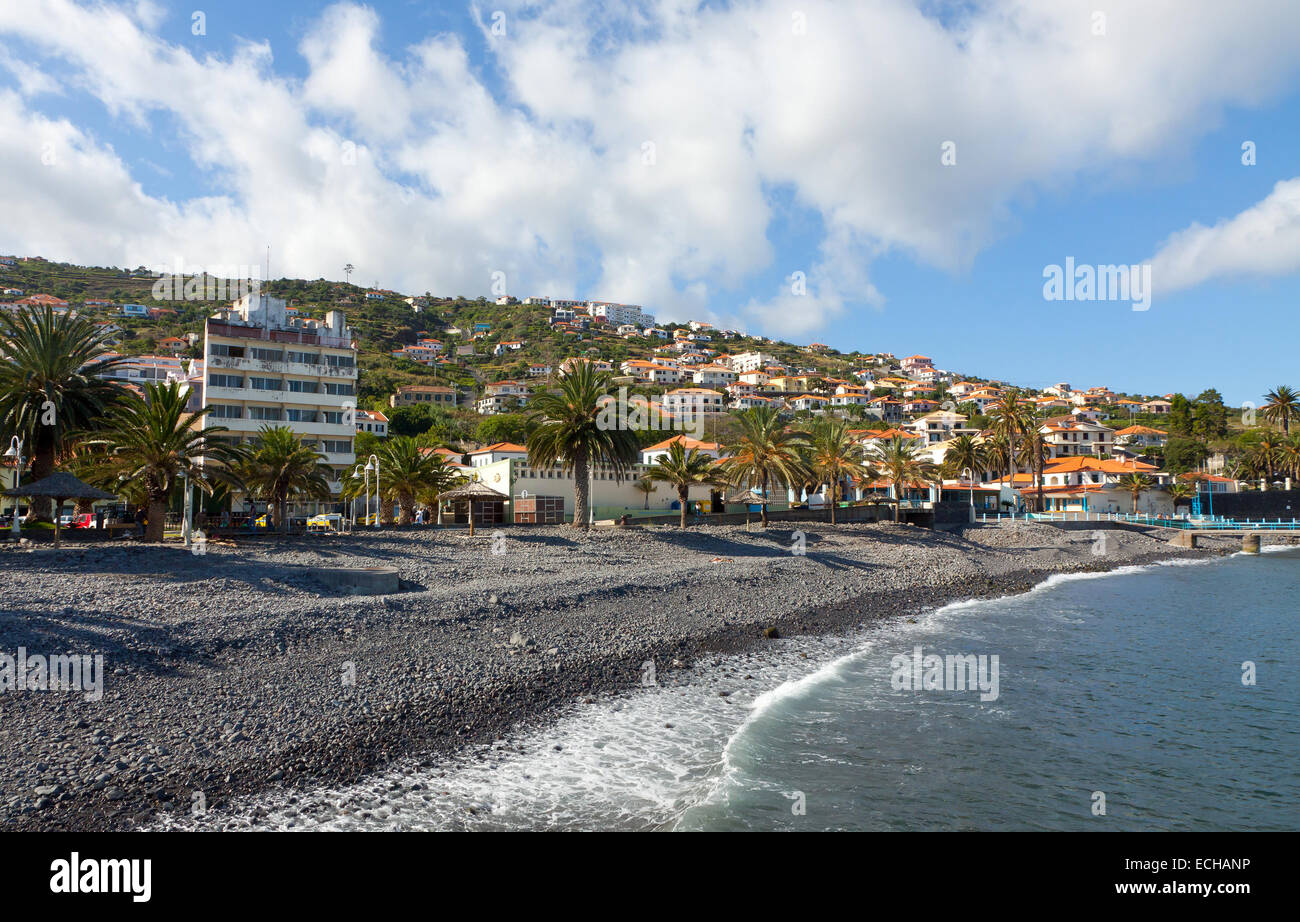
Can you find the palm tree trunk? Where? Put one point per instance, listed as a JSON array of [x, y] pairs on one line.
[[157, 516], [38, 508], [683, 497], [762, 507], [898, 500], [834, 494], [406, 507], [580, 490]]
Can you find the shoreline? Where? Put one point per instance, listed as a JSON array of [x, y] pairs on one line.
[[477, 685]]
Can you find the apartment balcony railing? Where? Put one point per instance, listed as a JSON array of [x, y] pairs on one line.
[[282, 367], [302, 337]]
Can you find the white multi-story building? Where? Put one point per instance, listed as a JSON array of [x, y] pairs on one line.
[[372, 421], [751, 361], [691, 402], [501, 397], [264, 368], [619, 314], [713, 376], [939, 426], [1069, 436]]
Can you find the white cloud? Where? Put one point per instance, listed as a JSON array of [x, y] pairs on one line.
[[406, 164], [1262, 240]]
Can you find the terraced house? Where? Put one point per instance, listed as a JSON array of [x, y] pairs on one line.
[[265, 368]]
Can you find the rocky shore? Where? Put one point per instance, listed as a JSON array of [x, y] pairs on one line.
[[234, 671]]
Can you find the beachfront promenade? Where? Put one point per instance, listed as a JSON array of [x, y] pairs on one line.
[[1185, 532]]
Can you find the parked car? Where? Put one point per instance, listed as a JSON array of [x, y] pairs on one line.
[[327, 522], [85, 520]]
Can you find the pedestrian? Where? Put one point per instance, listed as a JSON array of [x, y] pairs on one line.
[[139, 521]]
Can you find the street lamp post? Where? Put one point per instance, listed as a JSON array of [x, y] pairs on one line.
[[362, 471], [16, 452], [186, 510], [373, 465]]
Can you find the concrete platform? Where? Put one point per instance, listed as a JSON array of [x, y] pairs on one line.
[[359, 580]]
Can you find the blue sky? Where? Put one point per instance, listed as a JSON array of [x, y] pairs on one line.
[[410, 140]]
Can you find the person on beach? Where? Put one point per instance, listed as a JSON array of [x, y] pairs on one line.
[[139, 521]]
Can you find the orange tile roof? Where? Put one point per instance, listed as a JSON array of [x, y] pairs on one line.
[[500, 446], [1101, 465], [687, 442]]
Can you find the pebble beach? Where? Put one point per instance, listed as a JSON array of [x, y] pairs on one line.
[[235, 672]]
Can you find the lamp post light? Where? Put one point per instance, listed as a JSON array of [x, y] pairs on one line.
[[372, 464], [16, 452], [359, 471]]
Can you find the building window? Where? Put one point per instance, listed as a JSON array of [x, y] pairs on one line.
[[225, 381], [226, 411], [266, 384], [303, 387], [267, 355], [264, 413]]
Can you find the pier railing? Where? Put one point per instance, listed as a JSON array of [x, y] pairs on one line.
[[1198, 523]]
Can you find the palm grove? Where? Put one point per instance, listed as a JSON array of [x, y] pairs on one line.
[[53, 397]]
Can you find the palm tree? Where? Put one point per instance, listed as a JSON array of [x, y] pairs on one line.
[[347, 272], [1039, 451], [996, 453], [147, 443], [570, 429], [1264, 455], [764, 452], [1283, 406], [834, 456], [900, 463], [683, 470], [1182, 494], [647, 486], [1011, 420], [439, 477], [407, 472], [964, 453], [1289, 457], [1135, 483], [50, 386], [279, 466]]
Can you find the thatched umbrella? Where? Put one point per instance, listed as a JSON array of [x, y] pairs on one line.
[[750, 497], [59, 487], [474, 490]]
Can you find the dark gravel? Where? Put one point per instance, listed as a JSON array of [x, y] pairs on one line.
[[225, 672]]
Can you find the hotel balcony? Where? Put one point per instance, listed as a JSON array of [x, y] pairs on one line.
[[258, 366]]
